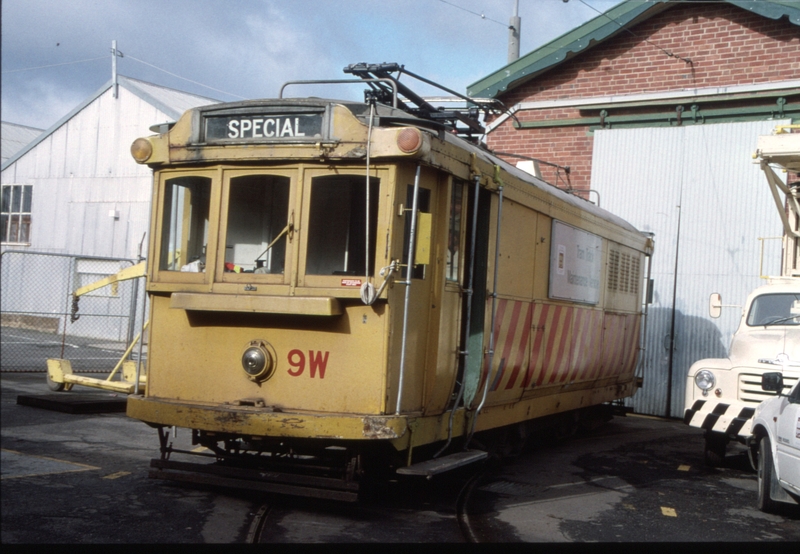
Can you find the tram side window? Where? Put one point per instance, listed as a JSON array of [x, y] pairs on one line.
[[184, 233], [338, 225], [257, 216], [423, 205], [454, 235]]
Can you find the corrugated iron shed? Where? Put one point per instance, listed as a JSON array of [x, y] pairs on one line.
[[172, 103], [89, 196], [697, 189], [14, 138]]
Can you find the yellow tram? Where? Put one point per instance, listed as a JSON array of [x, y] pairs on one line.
[[335, 284]]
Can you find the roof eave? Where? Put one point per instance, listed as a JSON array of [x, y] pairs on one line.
[[56, 125], [601, 28], [594, 31]]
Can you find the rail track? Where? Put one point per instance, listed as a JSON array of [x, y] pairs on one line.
[[406, 510]]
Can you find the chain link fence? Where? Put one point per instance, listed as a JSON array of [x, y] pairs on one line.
[[37, 320]]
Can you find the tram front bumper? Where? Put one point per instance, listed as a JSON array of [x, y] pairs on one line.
[[264, 421]]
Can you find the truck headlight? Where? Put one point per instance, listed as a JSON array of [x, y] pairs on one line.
[[705, 380]]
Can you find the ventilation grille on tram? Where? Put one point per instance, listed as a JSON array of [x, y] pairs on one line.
[[623, 272]]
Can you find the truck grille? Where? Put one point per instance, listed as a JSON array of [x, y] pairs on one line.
[[750, 387]]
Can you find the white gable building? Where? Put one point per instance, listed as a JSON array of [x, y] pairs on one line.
[[76, 189]]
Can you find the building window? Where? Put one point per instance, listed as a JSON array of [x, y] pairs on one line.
[[15, 216]]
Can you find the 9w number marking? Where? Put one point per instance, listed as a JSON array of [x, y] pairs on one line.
[[317, 361]]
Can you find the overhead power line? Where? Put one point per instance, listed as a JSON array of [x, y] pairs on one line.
[[481, 15], [53, 65], [667, 52], [184, 78], [128, 56]]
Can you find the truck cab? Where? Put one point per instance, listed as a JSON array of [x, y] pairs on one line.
[[722, 394]]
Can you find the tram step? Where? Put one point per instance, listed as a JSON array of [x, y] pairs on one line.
[[430, 468]]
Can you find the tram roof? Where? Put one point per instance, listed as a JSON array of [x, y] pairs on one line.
[[401, 117], [540, 184]]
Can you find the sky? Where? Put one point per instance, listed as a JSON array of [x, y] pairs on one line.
[[57, 53]]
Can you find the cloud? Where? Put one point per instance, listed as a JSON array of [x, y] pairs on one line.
[[249, 48]]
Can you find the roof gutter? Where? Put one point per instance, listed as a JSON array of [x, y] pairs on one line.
[[721, 93]]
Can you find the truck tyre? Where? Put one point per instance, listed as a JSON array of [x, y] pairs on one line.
[[714, 451], [766, 473]]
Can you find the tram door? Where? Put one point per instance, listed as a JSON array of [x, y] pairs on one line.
[[474, 307], [412, 341]]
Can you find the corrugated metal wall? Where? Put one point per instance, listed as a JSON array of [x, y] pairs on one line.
[[699, 191], [83, 176]]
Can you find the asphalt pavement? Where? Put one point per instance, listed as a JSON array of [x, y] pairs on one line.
[[83, 478]]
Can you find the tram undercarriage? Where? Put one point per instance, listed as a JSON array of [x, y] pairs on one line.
[[297, 467]]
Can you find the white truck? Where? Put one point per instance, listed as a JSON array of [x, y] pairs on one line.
[[722, 394], [775, 445]]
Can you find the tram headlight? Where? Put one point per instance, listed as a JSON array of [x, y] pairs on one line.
[[141, 150], [409, 140], [258, 360], [705, 380]]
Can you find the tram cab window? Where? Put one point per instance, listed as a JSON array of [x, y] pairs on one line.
[[184, 233], [258, 208], [424, 206], [337, 227]]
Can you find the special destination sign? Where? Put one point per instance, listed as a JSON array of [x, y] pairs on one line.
[[263, 127]]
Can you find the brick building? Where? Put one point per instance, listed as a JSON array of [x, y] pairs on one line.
[[656, 108], [646, 64]]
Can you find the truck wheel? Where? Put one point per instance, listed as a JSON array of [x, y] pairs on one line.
[[714, 451], [766, 473]]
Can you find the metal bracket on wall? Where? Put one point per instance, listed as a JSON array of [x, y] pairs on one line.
[[781, 102], [678, 116], [696, 114]]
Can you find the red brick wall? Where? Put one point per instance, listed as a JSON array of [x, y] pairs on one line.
[[726, 44]]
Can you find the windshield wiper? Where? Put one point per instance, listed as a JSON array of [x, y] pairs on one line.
[[780, 320]]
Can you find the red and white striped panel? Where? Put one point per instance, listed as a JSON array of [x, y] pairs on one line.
[[539, 344], [511, 334]]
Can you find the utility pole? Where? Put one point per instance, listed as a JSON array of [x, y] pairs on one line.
[[514, 28], [114, 54]]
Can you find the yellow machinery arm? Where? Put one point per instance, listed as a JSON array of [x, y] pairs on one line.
[[59, 371]]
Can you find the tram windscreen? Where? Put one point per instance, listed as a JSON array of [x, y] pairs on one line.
[[184, 230], [337, 225], [258, 208]]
